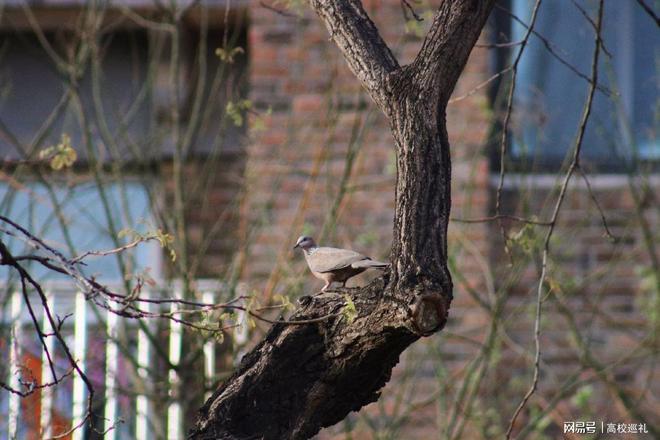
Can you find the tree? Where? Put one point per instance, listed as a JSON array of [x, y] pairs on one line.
[[338, 350], [528, 323]]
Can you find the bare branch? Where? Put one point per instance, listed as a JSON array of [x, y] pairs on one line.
[[502, 217], [481, 85], [407, 7], [608, 233], [560, 199], [649, 10], [7, 259], [117, 250], [552, 51], [507, 117], [281, 12], [32, 388], [356, 36], [593, 24], [45, 261], [445, 50]]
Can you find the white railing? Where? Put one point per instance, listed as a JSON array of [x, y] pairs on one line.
[[64, 299]]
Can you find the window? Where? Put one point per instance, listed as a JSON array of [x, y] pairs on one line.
[[83, 225], [549, 96], [115, 109], [123, 118], [124, 131]]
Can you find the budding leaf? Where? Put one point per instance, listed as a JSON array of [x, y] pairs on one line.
[[61, 155], [349, 311]]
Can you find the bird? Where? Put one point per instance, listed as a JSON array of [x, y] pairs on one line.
[[333, 264]]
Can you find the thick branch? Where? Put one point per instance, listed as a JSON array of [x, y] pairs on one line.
[[419, 97], [455, 29], [301, 378], [356, 35]]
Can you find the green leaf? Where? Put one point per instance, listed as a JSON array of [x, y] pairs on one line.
[[527, 239], [582, 396], [349, 311], [228, 55], [61, 155], [237, 110]]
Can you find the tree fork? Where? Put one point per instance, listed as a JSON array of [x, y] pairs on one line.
[[304, 377]]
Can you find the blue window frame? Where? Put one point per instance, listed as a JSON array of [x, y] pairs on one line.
[[85, 221], [549, 97]]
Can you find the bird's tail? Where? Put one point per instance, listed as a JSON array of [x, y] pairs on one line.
[[367, 264]]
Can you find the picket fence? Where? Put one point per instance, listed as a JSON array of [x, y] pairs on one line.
[[64, 299]]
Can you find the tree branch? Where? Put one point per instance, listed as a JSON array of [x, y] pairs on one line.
[[454, 31], [356, 36], [301, 378]]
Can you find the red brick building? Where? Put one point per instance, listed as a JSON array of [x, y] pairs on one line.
[[317, 158]]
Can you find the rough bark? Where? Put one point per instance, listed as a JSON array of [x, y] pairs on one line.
[[303, 377]]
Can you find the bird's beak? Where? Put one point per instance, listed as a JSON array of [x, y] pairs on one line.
[[296, 246]]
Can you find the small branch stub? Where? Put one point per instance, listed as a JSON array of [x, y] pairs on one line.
[[429, 313]]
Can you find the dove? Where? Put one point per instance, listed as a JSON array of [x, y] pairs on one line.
[[333, 264]]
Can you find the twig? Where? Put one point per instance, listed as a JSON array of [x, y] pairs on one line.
[[498, 45], [501, 217], [8, 260], [507, 118], [277, 11], [34, 388], [111, 251], [593, 26], [480, 85], [128, 299], [142, 21], [649, 10], [405, 7], [546, 245], [608, 233], [550, 48], [45, 261]]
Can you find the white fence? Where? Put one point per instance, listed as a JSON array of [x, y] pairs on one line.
[[64, 299]]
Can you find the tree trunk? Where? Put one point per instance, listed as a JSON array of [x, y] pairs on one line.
[[303, 377]]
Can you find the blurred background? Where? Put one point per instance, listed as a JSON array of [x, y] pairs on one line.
[[232, 127]]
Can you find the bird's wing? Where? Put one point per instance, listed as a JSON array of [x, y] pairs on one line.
[[369, 263], [327, 259]]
